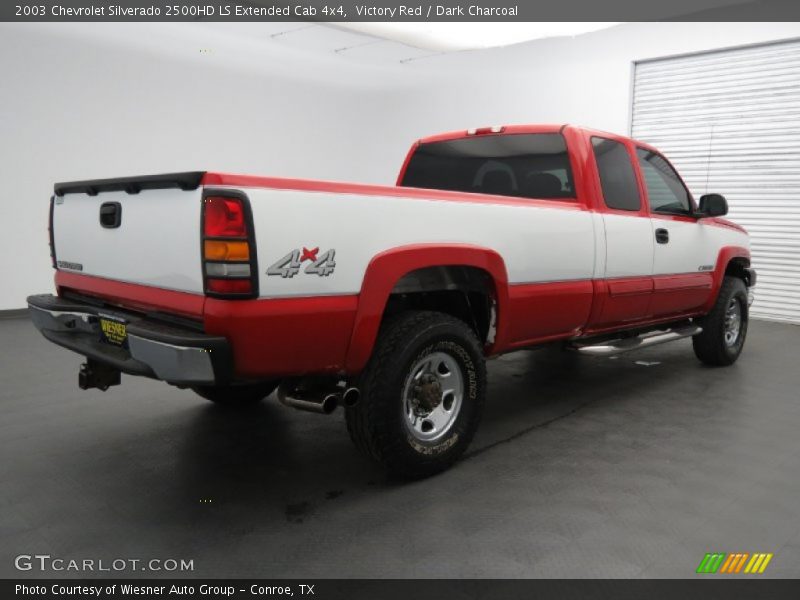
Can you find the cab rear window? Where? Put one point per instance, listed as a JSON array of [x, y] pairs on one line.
[[534, 165]]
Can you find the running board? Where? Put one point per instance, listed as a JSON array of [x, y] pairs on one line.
[[618, 346]]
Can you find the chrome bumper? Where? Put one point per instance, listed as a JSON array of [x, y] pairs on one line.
[[165, 352]]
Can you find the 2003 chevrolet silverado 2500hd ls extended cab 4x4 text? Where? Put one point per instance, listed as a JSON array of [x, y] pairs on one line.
[[388, 300]]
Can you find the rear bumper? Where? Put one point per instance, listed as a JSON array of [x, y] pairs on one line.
[[174, 354]]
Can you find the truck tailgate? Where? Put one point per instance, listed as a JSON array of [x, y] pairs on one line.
[[148, 235]]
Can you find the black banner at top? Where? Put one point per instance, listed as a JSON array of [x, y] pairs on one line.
[[398, 10]]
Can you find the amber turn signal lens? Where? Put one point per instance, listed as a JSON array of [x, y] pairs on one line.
[[219, 250]]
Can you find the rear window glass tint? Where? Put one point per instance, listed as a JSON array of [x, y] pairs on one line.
[[532, 165]]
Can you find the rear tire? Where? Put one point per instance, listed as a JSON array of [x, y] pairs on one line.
[[725, 327], [236, 396], [422, 394]]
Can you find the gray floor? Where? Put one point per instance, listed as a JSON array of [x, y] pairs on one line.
[[633, 467]]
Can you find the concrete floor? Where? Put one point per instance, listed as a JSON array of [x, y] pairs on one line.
[[583, 467]]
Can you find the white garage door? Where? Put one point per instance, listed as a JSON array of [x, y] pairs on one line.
[[730, 121]]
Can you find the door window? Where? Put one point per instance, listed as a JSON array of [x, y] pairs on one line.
[[617, 178], [665, 191]]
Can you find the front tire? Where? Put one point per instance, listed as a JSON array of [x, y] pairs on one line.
[[236, 396], [422, 394], [725, 327]]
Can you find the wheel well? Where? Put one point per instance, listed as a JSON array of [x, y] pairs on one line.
[[737, 267], [467, 293]]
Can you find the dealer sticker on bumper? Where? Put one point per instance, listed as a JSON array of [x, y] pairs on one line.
[[114, 330]]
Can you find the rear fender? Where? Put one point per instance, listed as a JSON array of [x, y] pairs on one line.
[[387, 268]]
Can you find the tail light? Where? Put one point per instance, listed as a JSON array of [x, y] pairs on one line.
[[50, 233], [224, 217], [229, 258]]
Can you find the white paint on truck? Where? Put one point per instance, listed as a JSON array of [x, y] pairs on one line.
[[158, 243], [692, 245], [537, 243]]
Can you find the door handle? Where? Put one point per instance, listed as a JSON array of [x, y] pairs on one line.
[[111, 215], [662, 236]]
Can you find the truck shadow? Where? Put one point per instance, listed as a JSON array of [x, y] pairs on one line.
[[195, 469], [270, 456], [297, 462]]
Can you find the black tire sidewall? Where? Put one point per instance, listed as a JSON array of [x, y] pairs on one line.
[[400, 450], [469, 373], [709, 345], [739, 292]]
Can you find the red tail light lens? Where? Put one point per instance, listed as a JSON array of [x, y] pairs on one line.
[[229, 286], [230, 269], [224, 217]]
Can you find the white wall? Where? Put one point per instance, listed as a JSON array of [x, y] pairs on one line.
[[584, 80], [89, 101], [83, 101]]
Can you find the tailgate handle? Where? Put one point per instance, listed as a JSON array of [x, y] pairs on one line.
[[110, 215]]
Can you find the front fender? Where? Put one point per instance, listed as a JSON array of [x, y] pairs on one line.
[[725, 256]]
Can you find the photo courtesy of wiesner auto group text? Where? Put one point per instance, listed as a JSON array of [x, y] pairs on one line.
[[377, 299]]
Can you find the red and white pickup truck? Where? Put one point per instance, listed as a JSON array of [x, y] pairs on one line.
[[389, 300]]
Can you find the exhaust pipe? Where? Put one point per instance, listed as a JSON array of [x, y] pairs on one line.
[[351, 396], [319, 402]]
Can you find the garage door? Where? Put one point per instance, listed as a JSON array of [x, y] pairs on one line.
[[730, 121]]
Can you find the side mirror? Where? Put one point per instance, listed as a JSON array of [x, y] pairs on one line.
[[713, 205]]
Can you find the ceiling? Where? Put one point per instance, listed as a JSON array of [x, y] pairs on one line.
[[373, 56], [449, 37], [321, 38], [349, 45], [381, 43]]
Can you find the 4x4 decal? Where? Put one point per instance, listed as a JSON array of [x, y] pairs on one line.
[[290, 265]]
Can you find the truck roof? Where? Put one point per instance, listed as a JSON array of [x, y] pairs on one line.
[[514, 129]]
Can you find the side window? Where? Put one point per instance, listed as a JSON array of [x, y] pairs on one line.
[[665, 190], [617, 178]]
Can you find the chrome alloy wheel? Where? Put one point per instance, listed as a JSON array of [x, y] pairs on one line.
[[432, 396], [733, 322]]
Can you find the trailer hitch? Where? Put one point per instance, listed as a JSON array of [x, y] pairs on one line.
[[94, 374]]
